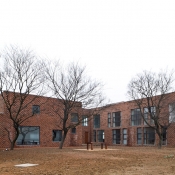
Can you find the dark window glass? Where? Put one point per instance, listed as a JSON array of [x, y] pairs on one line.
[[73, 130], [100, 135], [36, 109], [56, 135], [149, 136], [139, 136], [97, 121], [74, 117], [149, 115], [109, 120], [164, 130], [135, 117], [116, 136], [94, 135], [28, 135], [116, 119]]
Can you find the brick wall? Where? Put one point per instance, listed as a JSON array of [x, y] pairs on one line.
[[125, 109], [47, 120]]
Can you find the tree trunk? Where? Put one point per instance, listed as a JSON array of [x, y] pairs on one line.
[[160, 140], [63, 139], [12, 145]]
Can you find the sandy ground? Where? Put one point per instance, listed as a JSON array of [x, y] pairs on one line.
[[75, 161]]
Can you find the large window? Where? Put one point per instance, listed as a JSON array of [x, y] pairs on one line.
[[149, 115], [139, 136], [100, 135], [116, 119], [172, 112], [135, 117], [28, 135], [35, 109], [125, 136], [84, 121], [74, 117], [109, 120], [116, 136], [56, 135], [149, 136], [96, 121]]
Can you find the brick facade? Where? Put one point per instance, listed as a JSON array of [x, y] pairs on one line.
[[47, 121]]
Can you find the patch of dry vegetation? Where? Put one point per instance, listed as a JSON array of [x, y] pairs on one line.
[[69, 161]]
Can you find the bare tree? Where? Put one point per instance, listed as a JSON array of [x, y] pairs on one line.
[[150, 94], [77, 94], [21, 75]]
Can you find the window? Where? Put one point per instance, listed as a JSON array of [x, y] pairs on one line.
[[147, 115], [84, 121], [35, 109], [73, 130], [164, 139], [116, 119], [56, 135], [96, 121], [139, 136], [149, 136], [116, 136], [74, 117], [100, 135], [28, 135], [94, 135], [135, 117], [172, 112], [109, 120], [125, 136]]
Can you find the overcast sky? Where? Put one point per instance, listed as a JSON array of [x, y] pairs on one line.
[[115, 39]]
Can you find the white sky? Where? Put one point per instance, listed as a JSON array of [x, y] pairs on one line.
[[116, 39]]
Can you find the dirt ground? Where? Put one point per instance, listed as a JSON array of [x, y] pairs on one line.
[[75, 161]]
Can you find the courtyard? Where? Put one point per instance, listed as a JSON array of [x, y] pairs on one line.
[[77, 160]]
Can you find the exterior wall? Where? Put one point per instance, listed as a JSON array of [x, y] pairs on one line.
[[125, 109], [46, 120]]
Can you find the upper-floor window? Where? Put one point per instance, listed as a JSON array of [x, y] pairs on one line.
[[172, 112], [135, 117], [74, 117], [149, 115], [84, 120], [109, 120], [35, 109], [96, 121], [116, 119]]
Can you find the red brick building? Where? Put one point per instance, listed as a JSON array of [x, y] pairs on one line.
[[116, 124]]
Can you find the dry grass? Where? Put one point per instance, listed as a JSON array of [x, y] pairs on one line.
[[71, 161]]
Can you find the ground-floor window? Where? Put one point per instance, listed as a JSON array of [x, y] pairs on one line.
[[98, 135], [56, 135], [139, 136], [94, 135], [28, 135], [149, 136], [116, 136], [125, 136], [164, 139]]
